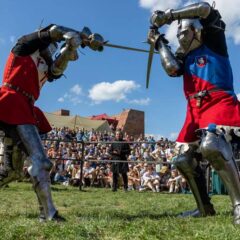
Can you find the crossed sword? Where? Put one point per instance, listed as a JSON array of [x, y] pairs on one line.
[[150, 56]]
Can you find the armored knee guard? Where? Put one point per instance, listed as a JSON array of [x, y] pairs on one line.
[[188, 165], [218, 152], [32, 143]]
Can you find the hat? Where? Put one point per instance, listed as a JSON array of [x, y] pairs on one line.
[[164, 169]]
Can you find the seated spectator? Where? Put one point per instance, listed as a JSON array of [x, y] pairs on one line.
[[164, 176], [151, 179], [103, 154], [108, 175], [174, 182], [75, 180], [60, 177], [101, 177], [133, 178], [146, 155], [88, 174], [132, 156]]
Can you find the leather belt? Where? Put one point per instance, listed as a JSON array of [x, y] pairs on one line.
[[18, 89], [199, 96]]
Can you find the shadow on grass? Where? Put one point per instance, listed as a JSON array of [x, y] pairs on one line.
[[125, 216], [56, 189], [143, 214]]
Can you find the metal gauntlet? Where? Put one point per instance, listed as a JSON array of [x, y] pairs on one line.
[[67, 53]]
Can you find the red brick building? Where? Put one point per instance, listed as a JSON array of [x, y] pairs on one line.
[[130, 121]]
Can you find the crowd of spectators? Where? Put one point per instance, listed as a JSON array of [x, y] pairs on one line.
[[150, 165]]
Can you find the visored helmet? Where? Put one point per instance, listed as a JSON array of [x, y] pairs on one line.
[[189, 34]]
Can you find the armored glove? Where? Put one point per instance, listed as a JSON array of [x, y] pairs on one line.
[[160, 18]]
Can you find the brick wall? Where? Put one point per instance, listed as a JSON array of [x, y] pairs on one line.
[[62, 112], [132, 122]]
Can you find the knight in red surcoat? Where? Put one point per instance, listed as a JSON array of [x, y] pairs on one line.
[[30, 65]]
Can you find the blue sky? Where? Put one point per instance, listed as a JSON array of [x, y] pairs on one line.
[[112, 80]]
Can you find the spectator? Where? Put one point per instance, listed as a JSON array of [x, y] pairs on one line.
[[119, 152], [174, 182], [133, 178], [151, 179], [88, 174]]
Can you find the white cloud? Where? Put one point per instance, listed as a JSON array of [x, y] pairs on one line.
[[229, 11], [238, 96], [116, 91], [173, 136], [171, 34], [75, 100], [72, 96], [141, 101], [61, 99], [155, 136], [76, 89], [159, 4]]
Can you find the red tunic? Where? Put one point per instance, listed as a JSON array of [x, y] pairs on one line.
[[206, 70], [29, 73]]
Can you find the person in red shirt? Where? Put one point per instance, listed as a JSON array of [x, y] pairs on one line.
[[32, 62]]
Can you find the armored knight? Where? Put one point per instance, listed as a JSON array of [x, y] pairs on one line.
[[213, 107], [31, 63]]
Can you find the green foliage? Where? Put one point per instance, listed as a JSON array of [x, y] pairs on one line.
[[103, 214]]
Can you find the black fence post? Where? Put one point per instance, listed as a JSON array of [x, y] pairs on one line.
[[81, 166]]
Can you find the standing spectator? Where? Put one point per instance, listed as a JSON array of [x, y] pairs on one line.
[[119, 152]]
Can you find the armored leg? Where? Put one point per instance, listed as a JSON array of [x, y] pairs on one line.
[[42, 217], [41, 185], [12, 162], [32, 142], [39, 170], [218, 152], [188, 165]]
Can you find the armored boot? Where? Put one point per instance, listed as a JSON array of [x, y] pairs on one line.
[[209, 210], [41, 185]]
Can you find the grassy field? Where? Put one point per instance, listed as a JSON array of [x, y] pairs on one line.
[[102, 214]]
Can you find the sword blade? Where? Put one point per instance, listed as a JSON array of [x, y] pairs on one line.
[[127, 48], [150, 58]]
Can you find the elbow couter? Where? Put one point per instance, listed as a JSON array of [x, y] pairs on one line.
[[172, 69], [204, 9]]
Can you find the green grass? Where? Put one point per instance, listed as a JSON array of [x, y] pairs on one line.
[[102, 214]]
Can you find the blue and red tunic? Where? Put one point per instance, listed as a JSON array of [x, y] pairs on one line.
[[205, 69]]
